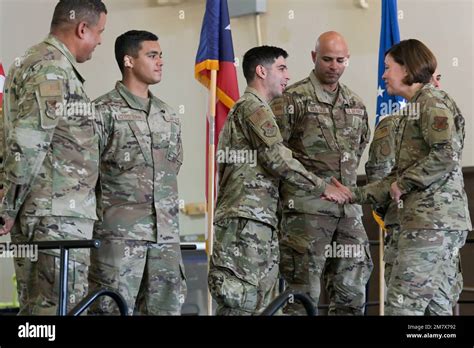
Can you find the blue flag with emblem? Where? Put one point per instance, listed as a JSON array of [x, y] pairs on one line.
[[389, 36]]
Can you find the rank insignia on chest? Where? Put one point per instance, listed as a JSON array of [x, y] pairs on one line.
[[130, 117], [440, 123], [269, 129]]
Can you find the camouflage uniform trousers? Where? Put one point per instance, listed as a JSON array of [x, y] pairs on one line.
[[22, 267], [38, 282], [390, 250], [306, 249], [425, 277], [149, 276], [244, 266]]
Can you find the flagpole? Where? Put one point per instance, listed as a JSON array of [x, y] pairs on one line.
[[211, 176], [381, 273], [259, 30]]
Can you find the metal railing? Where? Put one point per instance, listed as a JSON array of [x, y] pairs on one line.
[[64, 246], [286, 296]]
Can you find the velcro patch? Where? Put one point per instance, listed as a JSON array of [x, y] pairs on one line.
[[440, 123], [385, 148], [265, 126], [269, 129], [381, 133], [51, 88], [259, 117], [130, 117], [317, 109], [278, 107], [359, 112], [50, 110]]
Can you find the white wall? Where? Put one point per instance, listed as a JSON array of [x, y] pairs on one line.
[[446, 26]]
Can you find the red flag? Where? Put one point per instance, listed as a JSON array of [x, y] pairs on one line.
[[216, 52], [2, 82]]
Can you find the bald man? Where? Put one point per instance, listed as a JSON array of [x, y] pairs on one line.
[[325, 124]]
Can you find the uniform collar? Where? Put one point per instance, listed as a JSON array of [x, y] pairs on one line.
[[421, 90], [253, 91], [132, 100], [322, 96], [61, 47]]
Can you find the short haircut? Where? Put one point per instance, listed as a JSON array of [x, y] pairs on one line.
[[76, 11], [261, 55], [129, 44], [419, 61]]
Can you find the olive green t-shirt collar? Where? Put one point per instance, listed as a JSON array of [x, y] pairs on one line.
[[321, 94], [132, 100]]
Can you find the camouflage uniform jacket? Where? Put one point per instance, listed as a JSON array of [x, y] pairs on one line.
[[251, 191], [428, 166], [141, 154], [327, 139], [381, 162], [51, 147]]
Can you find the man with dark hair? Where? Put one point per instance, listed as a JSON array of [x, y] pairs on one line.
[[141, 154], [252, 161], [51, 153]]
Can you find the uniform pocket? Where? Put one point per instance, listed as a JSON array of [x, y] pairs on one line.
[[174, 146]]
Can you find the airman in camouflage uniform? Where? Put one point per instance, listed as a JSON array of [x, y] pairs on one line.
[[325, 124], [244, 263], [433, 213], [140, 256], [51, 155], [379, 165]]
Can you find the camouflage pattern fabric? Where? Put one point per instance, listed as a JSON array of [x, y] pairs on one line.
[[50, 152], [40, 282], [250, 190], [141, 154], [425, 277], [428, 166], [327, 137], [248, 193], [149, 276], [141, 157], [428, 171], [244, 266], [327, 133], [381, 162], [312, 246]]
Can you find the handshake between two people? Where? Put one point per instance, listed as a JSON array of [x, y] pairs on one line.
[[338, 193]]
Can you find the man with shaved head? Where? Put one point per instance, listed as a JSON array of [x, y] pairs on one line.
[[325, 124]]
